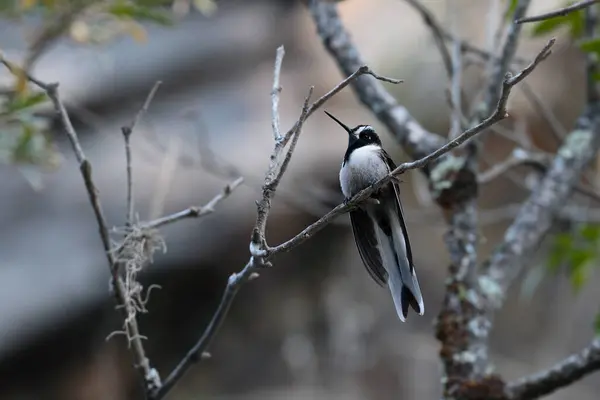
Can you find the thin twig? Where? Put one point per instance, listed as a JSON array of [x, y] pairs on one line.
[[561, 12], [199, 349], [517, 157], [257, 260], [194, 212], [498, 114], [275, 92], [272, 177], [288, 156], [559, 376], [127, 131], [456, 92], [148, 374], [363, 70], [501, 65], [438, 34], [556, 127], [497, 25]]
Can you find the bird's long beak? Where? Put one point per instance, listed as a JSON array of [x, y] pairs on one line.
[[339, 122]]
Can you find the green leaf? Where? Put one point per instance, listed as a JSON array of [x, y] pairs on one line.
[[590, 232], [22, 149], [590, 45], [137, 12], [597, 324], [547, 26], [562, 246], [23, 102], [578, 258], [579, 266], [574, 20], [579, 277]]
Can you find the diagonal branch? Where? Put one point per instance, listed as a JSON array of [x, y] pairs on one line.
[[561, 12], [498, 114], [509, 50], [537, 213], [438, 34], [194, 212], [559, 376]]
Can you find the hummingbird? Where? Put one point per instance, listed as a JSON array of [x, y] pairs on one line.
[[378, 224]]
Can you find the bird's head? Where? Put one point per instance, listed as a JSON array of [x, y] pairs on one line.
[[361, 135]]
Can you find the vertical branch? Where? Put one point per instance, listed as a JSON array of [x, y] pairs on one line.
[[130, 200], [456, 85], [148, 374], [275, 93], [509, 50], [127, 131]]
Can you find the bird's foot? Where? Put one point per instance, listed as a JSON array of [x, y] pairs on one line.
[[397, 180]]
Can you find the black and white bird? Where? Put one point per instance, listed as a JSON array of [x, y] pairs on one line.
[[378, 224]]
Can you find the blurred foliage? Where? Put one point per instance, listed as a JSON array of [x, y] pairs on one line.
[[24, 141], [578, 254], [577, 251], [574, 21]]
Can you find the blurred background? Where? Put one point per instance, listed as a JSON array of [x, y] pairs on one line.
[[315, 326]]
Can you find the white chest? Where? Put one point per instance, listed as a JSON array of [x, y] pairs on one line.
[[363, 168]]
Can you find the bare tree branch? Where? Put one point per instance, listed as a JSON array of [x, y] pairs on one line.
[[194, 212], [148, 374], [275, 93], [456, 95], [502, 64], [557, 128], [127, 131], [558, 13], [438, 34], [559, 376], [275, 171], [499, 114], [538, 212], [517, 157]]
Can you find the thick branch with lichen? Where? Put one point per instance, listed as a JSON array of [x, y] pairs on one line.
[[570, 370], [462, 328]]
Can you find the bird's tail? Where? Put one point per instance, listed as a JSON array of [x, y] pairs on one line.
[[402, 279]]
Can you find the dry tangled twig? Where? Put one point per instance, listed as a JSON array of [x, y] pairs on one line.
[[135, 252]]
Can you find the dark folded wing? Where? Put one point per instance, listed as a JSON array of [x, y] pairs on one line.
[[392, 166], [366, 242]]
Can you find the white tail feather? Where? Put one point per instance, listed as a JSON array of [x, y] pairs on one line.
[[398, 268]]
